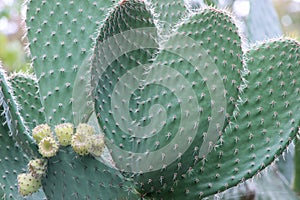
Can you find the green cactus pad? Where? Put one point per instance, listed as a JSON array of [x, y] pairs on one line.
[[60, 34], [265, 123], [14, 120], [126, 42], [154, 124], [83, 104], [168, 13], [25, 90], [73, 177], [12, 162]]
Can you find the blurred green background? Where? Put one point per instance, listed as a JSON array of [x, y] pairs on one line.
[[12, 30]]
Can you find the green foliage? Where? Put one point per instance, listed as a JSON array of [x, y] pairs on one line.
[[185, 111], [11, 54]]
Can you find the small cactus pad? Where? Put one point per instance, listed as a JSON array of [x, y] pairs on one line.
[[28, 184], [48, 147], [64, 133], [25, 89], [80, 143], [40, 132], [96, 145], [60, 34], [37, 167], [14, 120], [73, 177], [261, 129]]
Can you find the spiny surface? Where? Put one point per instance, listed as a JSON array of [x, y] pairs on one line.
[[125, 44], [72, 177], [12, 162], [60, 34], [168, 13], [25, 89], [186, 95], [265, 123], [14, 120]]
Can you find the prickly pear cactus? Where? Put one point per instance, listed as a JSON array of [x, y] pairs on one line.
[[64, 30], [168, 13], [13, 160], [182, 110], [25, 89], [259, 129], [184, 114]]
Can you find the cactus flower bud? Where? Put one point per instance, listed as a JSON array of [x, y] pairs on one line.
[[41, 131], [37, 167], [96, 145], [48, 147], [64, 133], [85, 129], [28, 184]]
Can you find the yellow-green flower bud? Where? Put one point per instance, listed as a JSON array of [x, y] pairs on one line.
[[48, 147], [64, 133], [85, 129], [96, 145], [80, 144], [37, 167], [41, 131], [28, 184]]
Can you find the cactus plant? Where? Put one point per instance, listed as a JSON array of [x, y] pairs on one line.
[[184, 110]]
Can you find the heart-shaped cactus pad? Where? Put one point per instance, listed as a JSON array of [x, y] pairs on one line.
[[197, 114]]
